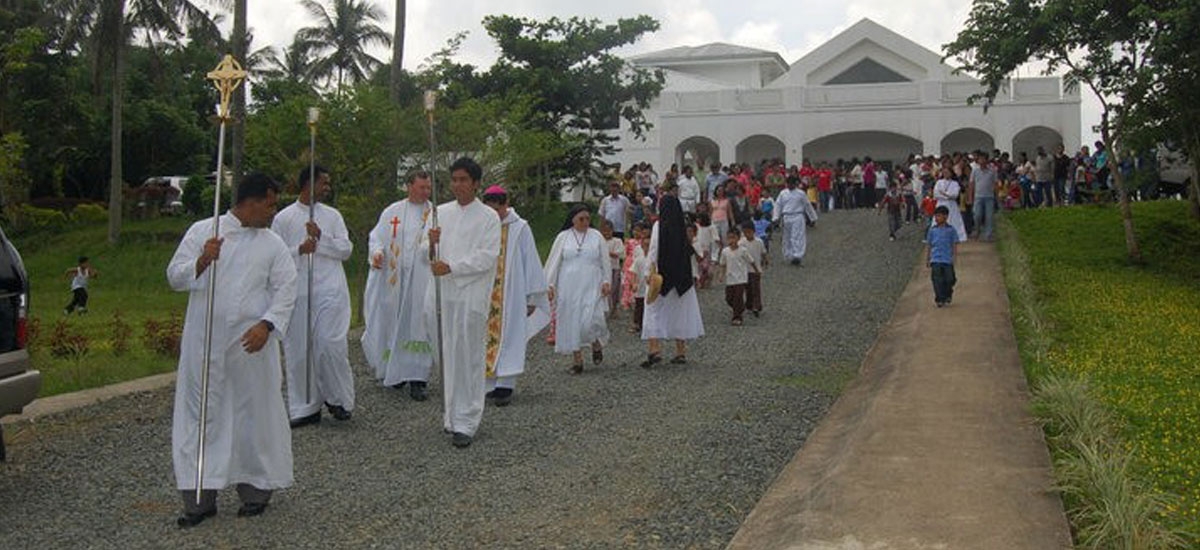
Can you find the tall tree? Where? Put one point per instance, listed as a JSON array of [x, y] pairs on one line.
[[397, 78], [341, 38], [241, 44], [1100, 44], [580, 88], [104, 29]]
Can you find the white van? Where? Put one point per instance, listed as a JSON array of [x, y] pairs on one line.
[[174, 184]]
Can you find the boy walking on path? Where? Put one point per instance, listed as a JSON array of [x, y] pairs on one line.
[[941, 246], [893, 201], [758, 253], [80, 275], [738, 263]]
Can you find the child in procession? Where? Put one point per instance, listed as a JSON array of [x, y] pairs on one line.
[[941, 247], [738, 263], [758, 252], [616, 255]]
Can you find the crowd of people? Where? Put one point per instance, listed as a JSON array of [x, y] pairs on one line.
[[460, 285]]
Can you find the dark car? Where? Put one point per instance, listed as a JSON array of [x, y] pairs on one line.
[[19, 384]]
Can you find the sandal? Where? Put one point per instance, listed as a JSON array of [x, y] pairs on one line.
[[679, 360], [597, 356], [651, 360], [577, 368]]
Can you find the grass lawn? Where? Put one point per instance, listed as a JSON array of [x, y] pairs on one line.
[[133, 284], [1132, 331]]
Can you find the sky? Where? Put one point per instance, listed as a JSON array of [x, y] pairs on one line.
[[789, 27]]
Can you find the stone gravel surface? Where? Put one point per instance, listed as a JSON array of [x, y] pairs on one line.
[[620, 456]]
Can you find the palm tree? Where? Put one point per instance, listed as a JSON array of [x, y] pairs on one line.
[[295, 63], [398, 50], [346, 31], [103, 29]]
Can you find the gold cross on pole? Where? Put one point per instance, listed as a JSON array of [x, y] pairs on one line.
[[226, 78]]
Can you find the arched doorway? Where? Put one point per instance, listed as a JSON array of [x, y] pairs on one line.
[[697, 152], [1028, 140], [880, 146], [756, 149], [964, 140]]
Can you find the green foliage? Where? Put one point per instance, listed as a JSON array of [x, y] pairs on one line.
[[579, 87], [1110, 352], [206, 200], [14, 183], [193, 195], [31, 219], [89, 214], [340, 40]]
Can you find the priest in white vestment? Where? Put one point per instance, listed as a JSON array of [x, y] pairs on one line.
[[468, 244], [395, 340], [794, 212], [519, 307], [326, 242], [248, 443]]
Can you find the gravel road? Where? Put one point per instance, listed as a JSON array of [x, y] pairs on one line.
[[673, 457]]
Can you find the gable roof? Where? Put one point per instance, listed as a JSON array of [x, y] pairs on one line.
[[866, 40]]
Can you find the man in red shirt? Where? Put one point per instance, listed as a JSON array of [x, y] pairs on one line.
[[825, 187]]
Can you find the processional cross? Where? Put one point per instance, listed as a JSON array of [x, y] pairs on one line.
[[226, 78]]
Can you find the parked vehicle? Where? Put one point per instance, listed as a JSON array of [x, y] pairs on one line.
[[19, 382], [172, 192], [1174, 174]]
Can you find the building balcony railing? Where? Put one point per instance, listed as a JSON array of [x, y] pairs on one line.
[[1038, 90]]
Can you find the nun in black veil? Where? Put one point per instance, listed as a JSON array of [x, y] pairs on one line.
[[675, 314]]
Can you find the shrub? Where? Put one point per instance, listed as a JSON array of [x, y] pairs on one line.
[[121, 331], [67, 343], [206, 201], [162, 336], [89, 214], [31, 219], [193, 193]]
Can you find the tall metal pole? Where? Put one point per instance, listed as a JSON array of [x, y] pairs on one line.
[[226, 77], [314, 115], [434, 250]]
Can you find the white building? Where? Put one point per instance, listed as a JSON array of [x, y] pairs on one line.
[[867, 92]]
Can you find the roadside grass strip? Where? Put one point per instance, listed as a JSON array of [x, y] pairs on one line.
[[1112, 352]]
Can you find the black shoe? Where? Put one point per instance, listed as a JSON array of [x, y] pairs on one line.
[[795, 261], [597, 356], [502, 396], [191, 520], [461, 440], [339, 412], [651, 360], [418, 390], [314, 418], [490, 395], [755, 312], [250, 510], [398, 386]]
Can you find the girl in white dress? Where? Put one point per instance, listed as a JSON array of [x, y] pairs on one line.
[[946, 192], [577, 272]]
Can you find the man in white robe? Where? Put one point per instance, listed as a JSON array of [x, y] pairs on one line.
[[794, 212], [519, 306], [326, 243], [395, 339], [689, 191], [248, 442], [468, 244]]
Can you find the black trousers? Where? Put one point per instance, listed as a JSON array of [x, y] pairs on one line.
[[754, 293], [79, 300], [943, 281]]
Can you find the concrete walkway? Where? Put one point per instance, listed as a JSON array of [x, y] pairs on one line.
[[932, 446]]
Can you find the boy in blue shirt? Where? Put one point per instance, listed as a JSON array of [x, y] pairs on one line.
[[762, 228], [941, 246]]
